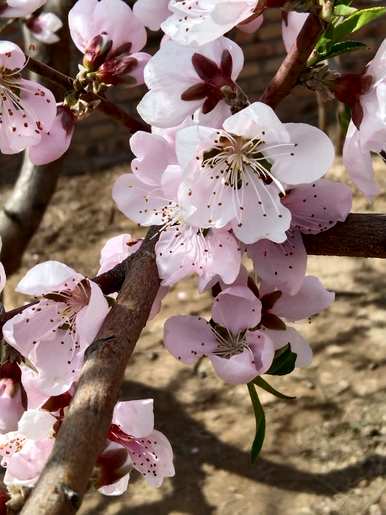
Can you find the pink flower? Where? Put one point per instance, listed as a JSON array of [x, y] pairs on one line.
[[237, 350], [367, 130], [110, 36], [278, 308], [152, 12], [27, 109], [25, 452], [20, 8], [54, 143], [148, 450], [197, 22], [54, 333], [11, 406], [314, 208], [292, 24], [118, 249], [310, 300], [44, 27], [149, 196], [236, 175], [183, 80]]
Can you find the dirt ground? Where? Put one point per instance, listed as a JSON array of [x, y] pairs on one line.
[[325, 453]]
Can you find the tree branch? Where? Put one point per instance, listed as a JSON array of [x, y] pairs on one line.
[[293, 65], [82, 435], [105, 105]]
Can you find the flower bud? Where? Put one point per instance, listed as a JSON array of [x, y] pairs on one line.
[[117, 69], [97, 51]]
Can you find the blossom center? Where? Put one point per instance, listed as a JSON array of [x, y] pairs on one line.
[[238, 160], [229, 344]]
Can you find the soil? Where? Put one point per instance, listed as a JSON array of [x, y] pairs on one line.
[[325, 452]]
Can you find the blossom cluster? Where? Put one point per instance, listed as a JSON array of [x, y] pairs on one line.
[[231, 188]]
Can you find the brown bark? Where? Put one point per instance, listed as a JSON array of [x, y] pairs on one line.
[[293, 65], [81, 437]]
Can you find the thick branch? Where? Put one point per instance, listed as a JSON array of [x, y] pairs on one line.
[[361, 235], [83, 433], [293, 65]]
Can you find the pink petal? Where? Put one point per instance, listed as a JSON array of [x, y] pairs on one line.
[[298, 165], [3, 277], [135, 418], [236, 309], [47, 277], [263, 215], [90, 319], [238, 369], [188, 338], [24, 331], [291, 26], [11, 407], [11, 56], [116, 250], [311, 299], [58, 364], [298, 344], [36, 424], [153, 458], [252, 26], [56, 142], [319, 206], [21, 8], [151, 12], [224, 258], [281, 266], [24, 467], [139, 201], [156, 307], [117, 488], [88, 19], [153, 155], [357, 160]]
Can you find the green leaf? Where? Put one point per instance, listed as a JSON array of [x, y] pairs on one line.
[[283, 362], [344, 10], [259, 381], [355, 22], [342, 47], [260, 423]]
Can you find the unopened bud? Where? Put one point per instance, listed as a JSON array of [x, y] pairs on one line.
[[117, 69], [97, 51]]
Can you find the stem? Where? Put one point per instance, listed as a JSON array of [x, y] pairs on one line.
[[105, 106], [293, 65]]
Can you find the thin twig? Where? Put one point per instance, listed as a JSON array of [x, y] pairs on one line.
[[293, 65], [103, 104]]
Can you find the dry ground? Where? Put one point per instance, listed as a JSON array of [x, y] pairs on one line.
[[325, 452]]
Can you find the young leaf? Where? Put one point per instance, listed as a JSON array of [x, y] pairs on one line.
[[342, 47], [259, 381], [356, 21], [283, 362], [260, 423], [344, 10]]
